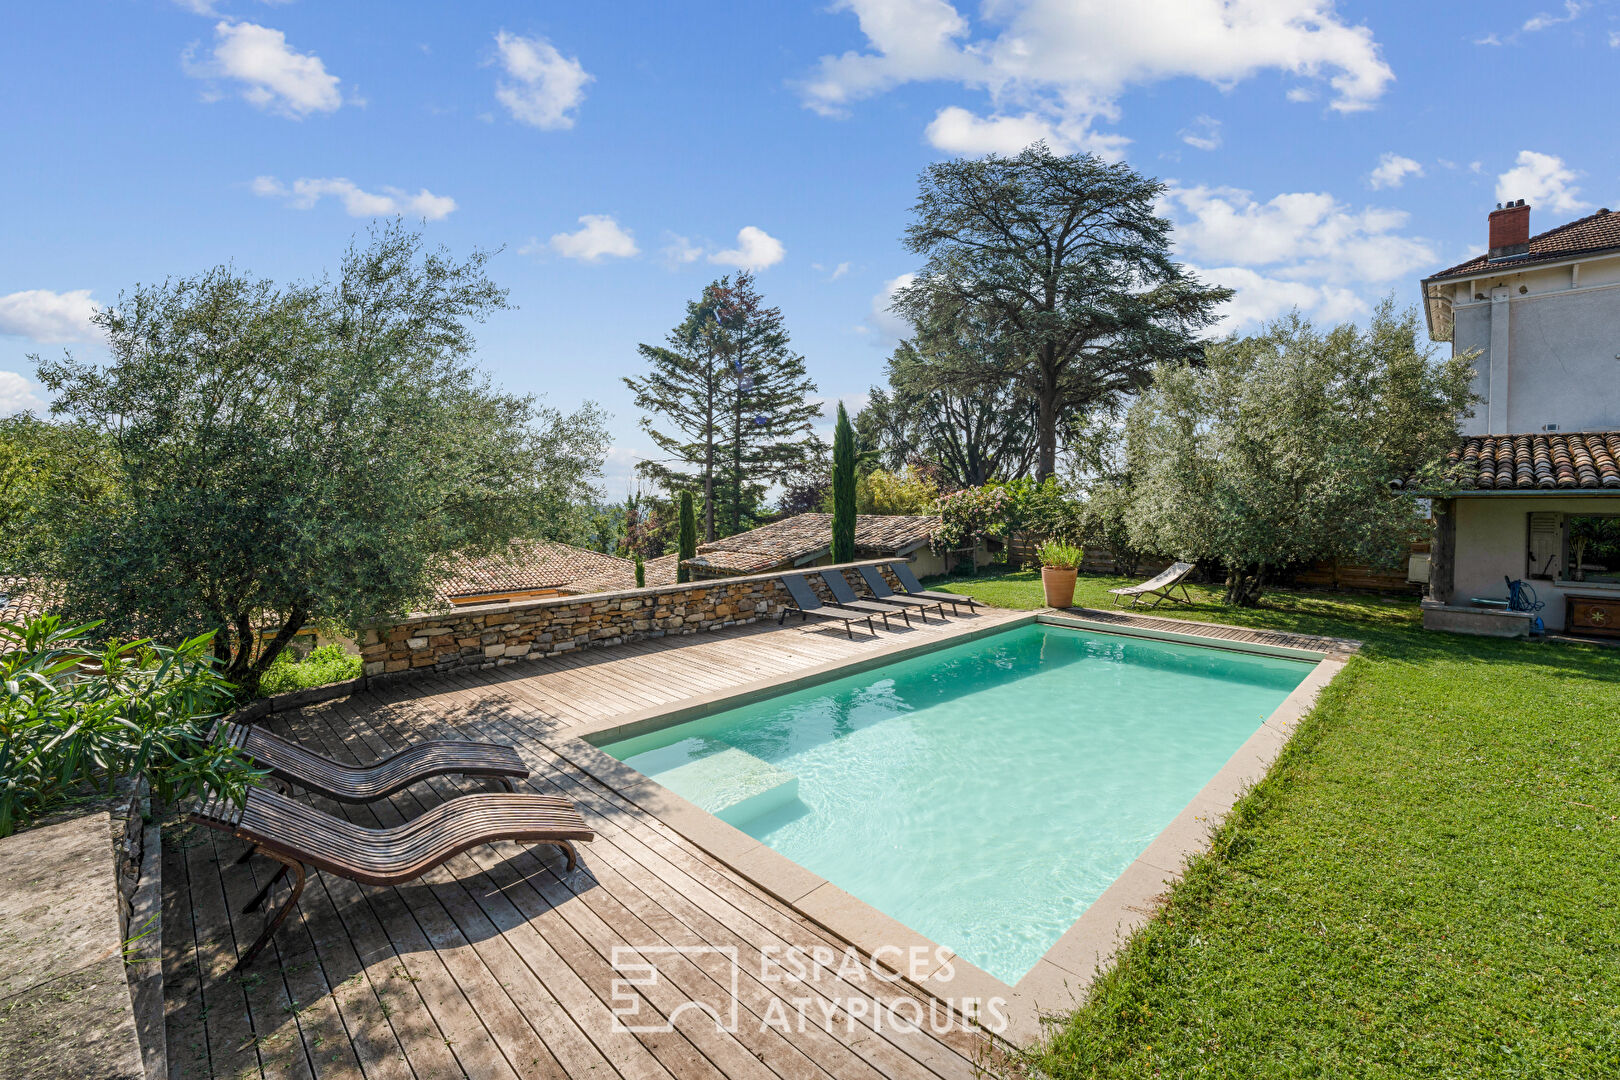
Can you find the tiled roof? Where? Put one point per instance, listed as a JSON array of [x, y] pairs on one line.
[[1578, 461], [661, 571], [1596, 232], [533, 565], [19, 600], [806, 534]]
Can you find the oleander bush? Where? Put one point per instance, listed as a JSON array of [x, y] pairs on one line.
[[327, 664]]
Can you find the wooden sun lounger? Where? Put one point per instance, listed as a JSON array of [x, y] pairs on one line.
[[880, 589], [808, 604], [838, 585], [299, 836], [1160, 586], [908, 581], [292, 764]]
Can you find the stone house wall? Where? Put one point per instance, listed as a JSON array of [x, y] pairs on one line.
[[487, 635]]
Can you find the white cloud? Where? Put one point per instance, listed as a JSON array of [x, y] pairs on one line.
[[679, 250], [1542, 20], [839, 271], [958, 131], [274, 77], [1301, 94], [1541, 180], [306, 192], [598, 237], [1299, 249], [756, 249], [16, 395], [1614, 39], [543, 86], [1058, 66], [1488, 39], [49, 317], [1392, 171], [889, 326], [1204, 133]]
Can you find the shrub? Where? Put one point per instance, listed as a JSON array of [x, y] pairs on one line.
[[72, 718], [970, 515], [325, 665], [883, 492], [1057, 555]]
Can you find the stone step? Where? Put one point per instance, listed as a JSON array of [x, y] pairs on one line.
[[733, 785]]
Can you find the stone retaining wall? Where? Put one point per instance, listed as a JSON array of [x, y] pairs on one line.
[[487, 635]]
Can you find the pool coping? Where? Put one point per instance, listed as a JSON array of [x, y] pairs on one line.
[[1060, 978]]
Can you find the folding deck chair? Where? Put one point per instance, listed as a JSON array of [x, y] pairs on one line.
[[807, 604], [908, 581], [880, 590], [1159, 587], [838, 585]]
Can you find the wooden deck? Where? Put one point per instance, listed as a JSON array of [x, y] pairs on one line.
[[500, 963]]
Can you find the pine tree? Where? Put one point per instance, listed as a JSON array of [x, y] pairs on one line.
[[688, 538], [843, 516], [736, 400]]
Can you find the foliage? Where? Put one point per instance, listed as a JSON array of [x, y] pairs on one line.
[[641, 573], [1057, 555], [809, 491], [1282, 449], [1041, 508], [318, 451], [955, 401], [1067, 259], [72, 718], [42, 464], [323, 666], [1443, 816], [687, 544], [843, 488], [969, 516], [882, 492], [1595, 538], [1104, 521], [735, 403]]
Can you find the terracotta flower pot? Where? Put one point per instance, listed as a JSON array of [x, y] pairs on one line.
[[1058, 585]]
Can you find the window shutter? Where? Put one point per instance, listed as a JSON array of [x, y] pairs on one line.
[[1546, 546]]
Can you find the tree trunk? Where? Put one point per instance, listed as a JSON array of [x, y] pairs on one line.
[[1046, 426], [1244, 585], [708, 460]]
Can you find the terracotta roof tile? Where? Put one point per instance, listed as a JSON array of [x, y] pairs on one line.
[[1596, 232], [806, 534], [20, 600], [1545, 461], [533, 565]]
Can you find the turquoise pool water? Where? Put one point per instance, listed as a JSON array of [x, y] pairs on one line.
[[984, 794]]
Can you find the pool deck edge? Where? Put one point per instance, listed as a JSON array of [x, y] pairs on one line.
[[1060, 980]]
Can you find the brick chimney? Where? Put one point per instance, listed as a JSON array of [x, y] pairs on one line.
[[1510, 230]]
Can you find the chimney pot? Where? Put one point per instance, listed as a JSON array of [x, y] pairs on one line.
[[1510, 230]]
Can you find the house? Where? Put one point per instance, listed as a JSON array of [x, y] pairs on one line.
[[1539, 465], [806, 540], [530, 569]]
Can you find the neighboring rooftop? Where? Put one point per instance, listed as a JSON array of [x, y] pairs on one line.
[[531, 567], [20, 600], [804, 538], [1586, 236], [1576, 461]]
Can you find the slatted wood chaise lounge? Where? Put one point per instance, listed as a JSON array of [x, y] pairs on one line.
[[838, 585], [1159, 587], [292, 764], [880, 589], [299, 836], [808, 605], [908, 581]]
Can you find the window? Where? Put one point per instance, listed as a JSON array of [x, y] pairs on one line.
[[1592, 547]]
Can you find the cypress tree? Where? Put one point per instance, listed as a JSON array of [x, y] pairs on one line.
[[688, 537], [641, 573], [843, 515]]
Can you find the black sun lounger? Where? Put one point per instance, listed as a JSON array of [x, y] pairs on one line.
[[838, 585], [913, 587], [880, 589], [807, 603]]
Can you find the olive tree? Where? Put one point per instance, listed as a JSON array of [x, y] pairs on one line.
[[307, 453], [1283, 447]]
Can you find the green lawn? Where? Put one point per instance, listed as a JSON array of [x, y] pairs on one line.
[[1427, 884]]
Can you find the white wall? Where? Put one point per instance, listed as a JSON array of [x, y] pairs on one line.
[[1552, 336], [1493, 542]]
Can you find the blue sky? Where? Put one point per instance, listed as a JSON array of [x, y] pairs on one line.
[[1318, 155]]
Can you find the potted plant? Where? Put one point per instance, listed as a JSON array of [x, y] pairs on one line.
[[1059, 563]]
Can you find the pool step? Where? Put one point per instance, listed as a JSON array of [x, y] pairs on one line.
[[733, 785]]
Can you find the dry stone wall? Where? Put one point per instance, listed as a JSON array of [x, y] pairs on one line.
[[487, 635]]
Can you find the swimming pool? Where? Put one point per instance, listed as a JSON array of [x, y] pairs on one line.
[[984, 794]]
